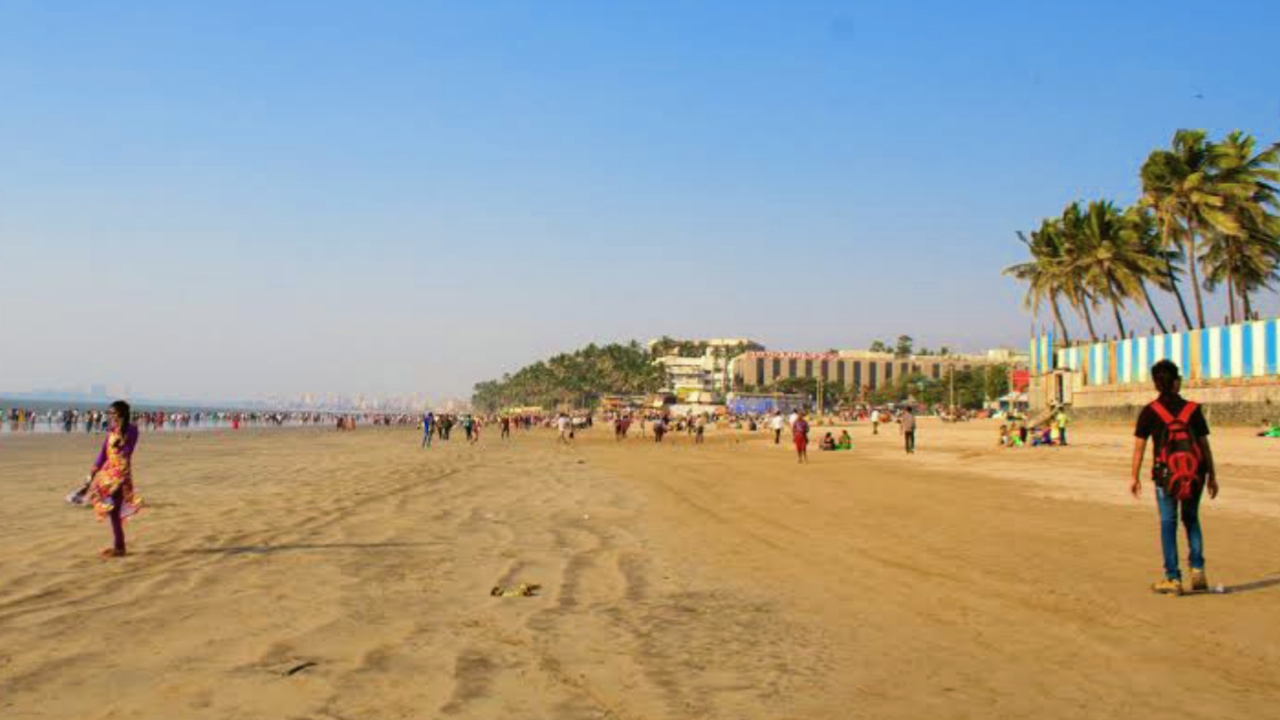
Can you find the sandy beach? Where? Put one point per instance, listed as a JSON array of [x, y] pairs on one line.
[[315, 574]]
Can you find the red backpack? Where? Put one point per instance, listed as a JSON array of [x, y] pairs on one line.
[[1177, 467]]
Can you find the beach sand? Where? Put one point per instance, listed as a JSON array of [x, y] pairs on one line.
[[316, 574]]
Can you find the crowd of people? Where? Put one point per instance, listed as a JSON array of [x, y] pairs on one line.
[[1182, 458], [96, 420], [440, 426], [664, 422], [1050, 431]]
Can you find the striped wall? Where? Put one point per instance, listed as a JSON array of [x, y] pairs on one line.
[[1042, 360], [1245, 350]]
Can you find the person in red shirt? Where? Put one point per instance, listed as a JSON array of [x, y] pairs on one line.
[[800, 433]]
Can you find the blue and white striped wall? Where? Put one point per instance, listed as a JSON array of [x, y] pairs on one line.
[[1042, 354], [1245, 350]]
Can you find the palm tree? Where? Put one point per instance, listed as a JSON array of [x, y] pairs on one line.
[[1111, 259], [1242, 250], [1163, 266], [1178, 186], [1043, 272], [1074, 271]]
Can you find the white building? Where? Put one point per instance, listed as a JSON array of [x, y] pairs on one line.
[[698, 370]]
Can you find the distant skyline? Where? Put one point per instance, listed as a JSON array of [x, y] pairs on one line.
[[237, 200]]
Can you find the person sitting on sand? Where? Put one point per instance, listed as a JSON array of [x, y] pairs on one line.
[[846, 441], [1269, 430], [1041, 436], [828, 443]]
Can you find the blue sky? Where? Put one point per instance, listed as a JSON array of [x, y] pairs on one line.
[[235, 199]]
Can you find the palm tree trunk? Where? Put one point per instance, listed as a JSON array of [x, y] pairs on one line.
[[1231, 299], [1115, 307], [1192, 262], [1057, 317], [1146, 295], [1244, 299], [1173, 278], [1088, 320]]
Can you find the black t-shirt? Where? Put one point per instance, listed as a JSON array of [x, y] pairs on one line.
[[1151, 426]]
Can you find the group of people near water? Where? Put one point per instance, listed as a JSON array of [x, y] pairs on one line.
[[95, 420], [440, 426], [1183, 464]]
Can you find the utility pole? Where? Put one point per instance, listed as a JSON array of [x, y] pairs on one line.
[[952, 367]]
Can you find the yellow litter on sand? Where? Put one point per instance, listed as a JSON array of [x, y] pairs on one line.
[[521, 590]]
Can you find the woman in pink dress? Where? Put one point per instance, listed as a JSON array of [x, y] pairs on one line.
[[111, 481]]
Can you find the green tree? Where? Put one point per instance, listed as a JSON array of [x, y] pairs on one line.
[[1183, 188], [1071, 266], [578, 379], [1241, 250], [1112, 261], [1163, 267], [1048, 274], [903, 347], [995, 380]]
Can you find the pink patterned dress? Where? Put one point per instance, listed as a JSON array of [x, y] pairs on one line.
[[112, 483]]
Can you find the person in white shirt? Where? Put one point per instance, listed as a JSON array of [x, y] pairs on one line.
[[565, 426], [875, 422], [776, 424]]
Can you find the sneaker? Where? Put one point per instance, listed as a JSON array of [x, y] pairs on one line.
[[1199, 583], [1167, 587]]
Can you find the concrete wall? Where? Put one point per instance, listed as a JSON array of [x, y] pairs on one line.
[[1243, 401]]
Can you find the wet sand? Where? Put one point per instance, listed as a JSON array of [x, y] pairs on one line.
[[313, 574]]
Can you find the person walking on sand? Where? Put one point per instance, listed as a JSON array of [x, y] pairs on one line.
[[111, 480], [776, 424], [1182, 466], [875, 421], [907, 425], [800, 434], [565, 426], [1060, 419], [428, 421]]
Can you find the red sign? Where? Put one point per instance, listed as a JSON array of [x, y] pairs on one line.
[[793, 355], [1020, 380]]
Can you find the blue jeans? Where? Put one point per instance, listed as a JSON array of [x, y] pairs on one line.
[[1169, 532]]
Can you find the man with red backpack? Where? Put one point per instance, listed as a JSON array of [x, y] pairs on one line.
[[1183, 467]]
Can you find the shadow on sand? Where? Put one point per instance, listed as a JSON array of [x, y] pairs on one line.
[[1255, 585]]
